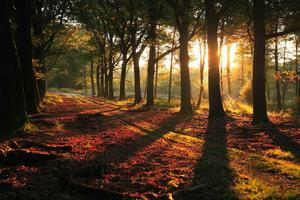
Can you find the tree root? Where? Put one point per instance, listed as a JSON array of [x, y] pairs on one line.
[[94, 191], [28, 144], [25, 157]]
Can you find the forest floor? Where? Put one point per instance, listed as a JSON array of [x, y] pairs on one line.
[[88, 148]]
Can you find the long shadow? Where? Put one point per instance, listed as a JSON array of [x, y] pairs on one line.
[[120, 152], [86, 122], [212, 172], [284, 141]]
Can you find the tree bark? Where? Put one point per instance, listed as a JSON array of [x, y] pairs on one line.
[[12, 108], [202, 63], [111, 77], [156, 74], [136, 70], [171, 68], [24, 46], [84, 81], [259, 88], [297, 80], [151, 63], [92, 78], [215, 101], [99, 92], [185, 105], [228, 69], [278, 95], [123, 76]]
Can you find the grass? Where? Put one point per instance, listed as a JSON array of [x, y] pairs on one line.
[[283, 167], [254, 189], [280, 154], [29, 128], [53, 99], [248, 187], [65, 90]]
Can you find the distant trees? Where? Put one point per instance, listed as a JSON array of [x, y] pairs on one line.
[[118, 32]]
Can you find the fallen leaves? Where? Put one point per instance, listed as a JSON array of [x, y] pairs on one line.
[[150, 154]]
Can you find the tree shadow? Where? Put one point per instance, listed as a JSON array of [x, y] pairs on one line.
[[120, 152], [212, 175], [284, 141]]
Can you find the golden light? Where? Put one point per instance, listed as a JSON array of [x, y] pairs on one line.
[[195, 53], [233, 51]]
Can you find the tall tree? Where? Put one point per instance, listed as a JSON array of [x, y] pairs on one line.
[[228, 69], [212, 20], [154, 9], [202, 50], [137, 32], [258, 84], [171, 68], [92, 78], [24, 46], [12, 108], [182, 21], [47, 21]]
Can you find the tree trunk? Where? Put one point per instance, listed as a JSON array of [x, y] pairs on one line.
[[202, 63], [220, 56], [136, 70], [137, 81], [84, 81], [297, 81], [296, 64], [185, 105], [123, 76], [278, 95], [24, 46], [242, 69], [215, 101], [12, 108], [99, 93], [228, 70], [103, 75], [92, 78], [111, 78], [156, 74], [284, 83], [259, 88], [171, 68], [151, 64]]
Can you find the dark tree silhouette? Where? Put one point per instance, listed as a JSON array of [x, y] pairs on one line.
[[212, 21], [12, 107], [259, 91], [24, 45]]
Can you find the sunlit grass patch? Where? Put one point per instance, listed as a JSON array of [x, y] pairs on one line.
[[188, 140], [59, 126], [283, 167], [235, 106], [124, 102], [53, 99], [282, 114], [249, 188], [164, 104], [29, 128], [280, 154]]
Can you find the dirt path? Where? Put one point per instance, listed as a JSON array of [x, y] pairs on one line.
[[116, 151]]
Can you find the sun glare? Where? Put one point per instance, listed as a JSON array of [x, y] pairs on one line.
[[195, 53]]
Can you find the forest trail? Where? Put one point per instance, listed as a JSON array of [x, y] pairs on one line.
[[110, 149]]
